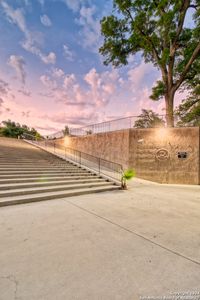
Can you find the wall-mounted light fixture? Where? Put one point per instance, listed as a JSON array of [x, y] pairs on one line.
[[140, 141]]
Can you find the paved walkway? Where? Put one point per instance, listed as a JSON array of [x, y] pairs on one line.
[[115, 245]]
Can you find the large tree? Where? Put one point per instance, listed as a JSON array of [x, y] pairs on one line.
[[157, 29]]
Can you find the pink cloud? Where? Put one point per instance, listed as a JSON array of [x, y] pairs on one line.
[[97, 93]]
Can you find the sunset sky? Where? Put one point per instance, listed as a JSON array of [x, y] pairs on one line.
[[51, 73]]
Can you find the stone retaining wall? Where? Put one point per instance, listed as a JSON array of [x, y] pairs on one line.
[[163, 155]]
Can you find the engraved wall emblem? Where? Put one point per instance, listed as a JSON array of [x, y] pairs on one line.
[[162, 154]]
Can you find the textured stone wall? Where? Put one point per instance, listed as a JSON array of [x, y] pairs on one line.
[[152, 152], [112, 146]]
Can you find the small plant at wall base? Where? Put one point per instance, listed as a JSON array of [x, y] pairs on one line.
[[127, 175]]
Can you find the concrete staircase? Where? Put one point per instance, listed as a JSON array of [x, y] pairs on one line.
[[29, 174]]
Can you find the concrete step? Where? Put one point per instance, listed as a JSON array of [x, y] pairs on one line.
[[30, 164], [31, 159], [36, 190], [45, 179], [54, 195], [15, 162], [34, 163], [13, 159], [29, 174], [10, 186], [35, 167], [27, 169], [25, 156], [4, 164], [42, 175], [42, 171], [10, 157]]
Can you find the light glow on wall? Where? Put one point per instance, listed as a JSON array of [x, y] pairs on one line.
[[66, 141], [162, 133]]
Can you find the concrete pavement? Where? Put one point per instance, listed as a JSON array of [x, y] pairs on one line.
[[114, 245]]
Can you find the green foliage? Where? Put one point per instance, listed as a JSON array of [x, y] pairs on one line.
[[188, 112], [158, 91], [12, 129], [66, 130], [149, 26], [127, 175], [156, 28], [148, 119]]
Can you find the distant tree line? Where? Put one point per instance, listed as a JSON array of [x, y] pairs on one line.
[[14, 130]]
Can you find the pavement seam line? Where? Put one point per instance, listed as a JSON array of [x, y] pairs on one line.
[[135, 233]]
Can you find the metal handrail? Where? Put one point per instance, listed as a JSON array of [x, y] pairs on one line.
[[28, 136], [102, 167], [113, 125], [88, 154], [106, 126]]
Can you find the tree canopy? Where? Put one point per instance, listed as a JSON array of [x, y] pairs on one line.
[[13, 129], [66, 131], [158, 30], [188, 112], [149, 119]]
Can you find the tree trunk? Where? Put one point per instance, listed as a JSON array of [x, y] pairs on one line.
[[169, 103]]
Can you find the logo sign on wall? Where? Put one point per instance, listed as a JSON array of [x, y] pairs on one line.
[[162, 154]]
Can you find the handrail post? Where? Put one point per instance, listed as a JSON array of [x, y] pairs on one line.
[[99, 165]]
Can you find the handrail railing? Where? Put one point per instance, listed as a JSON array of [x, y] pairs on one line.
[[119, 124], [28, 136], [100, 166], [107, 126]]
